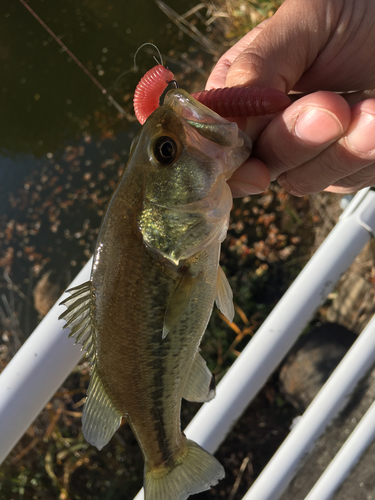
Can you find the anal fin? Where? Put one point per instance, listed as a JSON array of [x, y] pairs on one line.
[[100, 418], [224, 295], [200, 385]]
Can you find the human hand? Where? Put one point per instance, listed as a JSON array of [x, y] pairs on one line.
[[319, 142]]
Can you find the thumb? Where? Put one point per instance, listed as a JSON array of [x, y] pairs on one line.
[[285, 47]]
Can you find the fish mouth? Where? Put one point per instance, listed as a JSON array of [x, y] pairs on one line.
[[189, 108], [224, 137]]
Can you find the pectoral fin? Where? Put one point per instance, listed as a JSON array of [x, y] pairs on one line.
[[179, 301], [200, 385], [100, 418], [224, 295]]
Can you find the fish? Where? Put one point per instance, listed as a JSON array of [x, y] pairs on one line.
[[155, 278]]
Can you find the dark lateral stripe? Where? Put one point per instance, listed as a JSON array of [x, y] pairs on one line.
[[159, 368]]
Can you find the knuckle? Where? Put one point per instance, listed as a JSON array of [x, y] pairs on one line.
[[363, 178]]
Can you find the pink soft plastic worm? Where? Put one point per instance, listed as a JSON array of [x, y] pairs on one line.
[[227, 102], [149, 90], [243, 101]]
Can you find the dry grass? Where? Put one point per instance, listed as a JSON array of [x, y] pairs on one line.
[[217, 24], [235, 18]]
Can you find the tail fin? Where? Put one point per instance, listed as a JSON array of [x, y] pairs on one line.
[[196, 471]]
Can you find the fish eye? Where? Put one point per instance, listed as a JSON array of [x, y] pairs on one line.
[[165, 150]]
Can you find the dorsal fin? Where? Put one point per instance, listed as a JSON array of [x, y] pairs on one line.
[[100, 418], [224, 295], [79, 318]]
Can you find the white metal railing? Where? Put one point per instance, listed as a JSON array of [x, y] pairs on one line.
[[44, 361], [330, 400]]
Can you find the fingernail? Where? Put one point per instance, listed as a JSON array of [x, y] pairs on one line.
[[361, 134], [240, 189], [316, 126]]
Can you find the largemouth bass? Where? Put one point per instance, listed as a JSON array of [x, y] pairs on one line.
[[154, 280]]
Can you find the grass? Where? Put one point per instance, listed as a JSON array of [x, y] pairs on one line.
[[235, 18], [215, 24]]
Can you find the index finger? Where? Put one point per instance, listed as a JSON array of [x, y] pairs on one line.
[[218, 76]]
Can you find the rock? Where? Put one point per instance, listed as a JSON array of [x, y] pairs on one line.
[[45, 293], [311, 362]]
